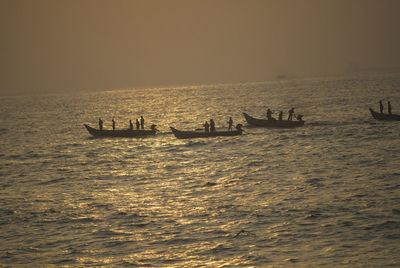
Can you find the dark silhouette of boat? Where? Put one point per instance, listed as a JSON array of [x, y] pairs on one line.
[[382, 116], [126, 133], [202, 134], [272, 123]]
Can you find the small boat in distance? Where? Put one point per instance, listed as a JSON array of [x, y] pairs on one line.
[[202, 134], [272, 123], [281, 76], [386, 117], [123, 133]]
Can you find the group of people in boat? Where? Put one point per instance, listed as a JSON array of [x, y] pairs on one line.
[[210, 127], [139, 123], [389, 107], [291, 114]]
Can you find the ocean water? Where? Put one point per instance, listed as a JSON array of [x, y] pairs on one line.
[[325, 194]]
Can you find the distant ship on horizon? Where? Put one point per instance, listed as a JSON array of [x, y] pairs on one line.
[[281, 76]]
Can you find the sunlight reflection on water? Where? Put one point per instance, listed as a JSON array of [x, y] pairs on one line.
[[317, 195]]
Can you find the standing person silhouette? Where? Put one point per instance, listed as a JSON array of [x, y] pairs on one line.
[[389, 108], [381, 106], [137, 124], [113, 123], [269, 114], [291, 113], [280, 115], [142, 122], [206, 127], [212, 125], [230, 123], [100, 124], [130, 125]]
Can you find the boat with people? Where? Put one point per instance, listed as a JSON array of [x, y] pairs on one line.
[[123, 133], [383, 116], [273, 123], [206, 134]]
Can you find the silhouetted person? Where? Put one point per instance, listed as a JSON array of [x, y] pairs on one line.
[[230, 123], [389, 108], [137, 124], [381, 106], [142, 122], [113, 123], [100, 124], [212, 125], [130, 125], [280, 115], [291, 113], [269, 114], [299, 117], [206, 127]]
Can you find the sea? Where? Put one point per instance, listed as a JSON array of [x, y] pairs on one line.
[[323, 195]]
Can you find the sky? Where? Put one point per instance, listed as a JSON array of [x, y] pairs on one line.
[[72, 45]]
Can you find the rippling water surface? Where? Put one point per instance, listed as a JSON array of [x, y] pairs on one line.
[[327, 193]]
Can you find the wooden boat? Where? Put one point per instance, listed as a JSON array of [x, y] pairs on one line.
[[272, 123], [382, 116], [126, 133], [202, 134]]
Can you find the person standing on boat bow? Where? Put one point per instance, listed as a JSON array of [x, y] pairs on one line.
[[269, 114], [230, 123], [280, 115], [100, 124], [381, 106], [206, 127], [113, 123], [212, 125], [130, 125], [291, 113], [389, 108], [142, 122]]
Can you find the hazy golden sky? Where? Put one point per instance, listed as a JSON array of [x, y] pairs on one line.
[[49, 45]]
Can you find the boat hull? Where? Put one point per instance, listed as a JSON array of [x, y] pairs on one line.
[[272, 123], [386, 117], [124, 133], [202, 134]]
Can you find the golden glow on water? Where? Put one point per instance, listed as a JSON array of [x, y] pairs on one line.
[[273, 197]]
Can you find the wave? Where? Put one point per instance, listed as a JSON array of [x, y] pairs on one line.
[[82, 220], [113, 244], [108, 233], [384, 226], [337, 123], [67, 261], [396, 211], [220, 248], [52, 181], [315, 182], [191, 143], [8, 212], [179, 241]]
